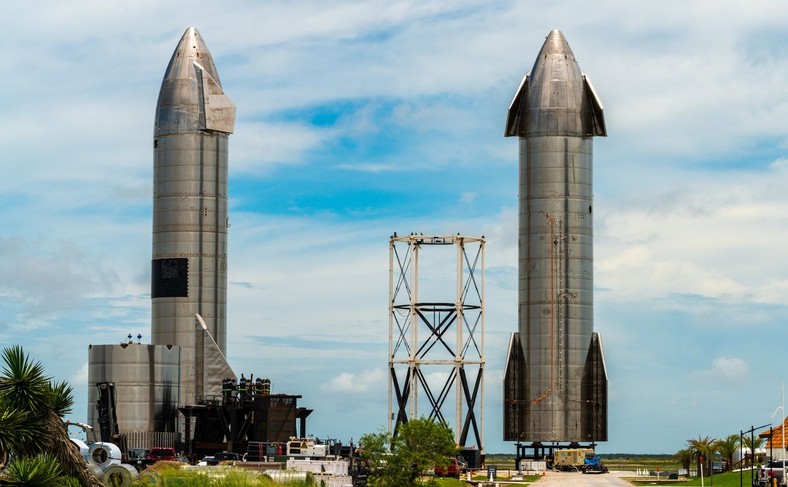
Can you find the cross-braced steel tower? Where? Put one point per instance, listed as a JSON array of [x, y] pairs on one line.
[[436, 332]]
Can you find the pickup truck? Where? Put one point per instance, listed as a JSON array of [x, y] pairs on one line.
[[453, 469], [773, 469], [158, 453]]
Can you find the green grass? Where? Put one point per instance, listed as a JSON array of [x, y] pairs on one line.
[[450, 482], [729, 479], [631, 463], [229, 478]]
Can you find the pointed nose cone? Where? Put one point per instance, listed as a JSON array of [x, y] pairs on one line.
[[556, 80], [555, 45], [191, 97], [191, 49], [555, 98]]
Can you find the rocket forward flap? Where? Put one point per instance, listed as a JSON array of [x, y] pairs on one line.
[[212, 367], [596, 122], [594, 392], [217, 111], [513, 122]]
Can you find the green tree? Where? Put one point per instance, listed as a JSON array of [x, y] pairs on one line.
[[727, 449], [419, 446], [32, 399], [703, 447], [684, 458], [752, 444]]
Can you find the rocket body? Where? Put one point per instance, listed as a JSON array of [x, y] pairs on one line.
[[555, 383], [189, 255]]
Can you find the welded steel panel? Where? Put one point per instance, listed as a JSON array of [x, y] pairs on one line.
[[555, 112], [190, 219], [147, 384]]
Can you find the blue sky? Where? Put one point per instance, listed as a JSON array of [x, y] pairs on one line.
[[360, 119]]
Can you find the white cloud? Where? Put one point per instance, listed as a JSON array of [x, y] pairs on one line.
[[361, 383], [257, 145], [725, 370], [81, 377], [717, 237]]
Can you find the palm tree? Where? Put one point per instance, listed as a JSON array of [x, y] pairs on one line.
[[727, 448], [684, 458], [26, 391], [752, 444], [703, 448]]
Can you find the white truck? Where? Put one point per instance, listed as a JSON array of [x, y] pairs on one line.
[[770, 472]]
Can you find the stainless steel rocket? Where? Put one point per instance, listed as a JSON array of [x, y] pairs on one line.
[[189, 266], [555, 383]]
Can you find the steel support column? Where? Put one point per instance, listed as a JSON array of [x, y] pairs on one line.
[[436, 345]]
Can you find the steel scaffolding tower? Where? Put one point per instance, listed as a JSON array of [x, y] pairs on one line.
[[436, 336]]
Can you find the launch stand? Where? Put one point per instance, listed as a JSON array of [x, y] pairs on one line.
[[436, 346], [224, 424]]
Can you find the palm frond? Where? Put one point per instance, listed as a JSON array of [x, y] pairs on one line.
[[61, 398], [37, 471], [18, 431], [23, 384]]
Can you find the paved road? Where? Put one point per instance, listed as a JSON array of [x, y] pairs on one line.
[[576, 479]]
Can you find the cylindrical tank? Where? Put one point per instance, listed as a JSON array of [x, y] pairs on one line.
[[147, 384], [556, 274]]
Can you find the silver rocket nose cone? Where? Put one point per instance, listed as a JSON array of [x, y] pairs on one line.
[[191, 97], [191, 49], [555, 44], [556, 59], [555, 97]]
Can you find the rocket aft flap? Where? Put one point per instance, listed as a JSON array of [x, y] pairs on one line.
[[555, 385]]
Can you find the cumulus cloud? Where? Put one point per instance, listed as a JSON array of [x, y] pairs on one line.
[[49, 276], [724, 369], [258, 146], [717, 237], [361, 383], [81, 376]]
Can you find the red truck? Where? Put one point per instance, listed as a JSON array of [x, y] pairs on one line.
[[162, 453], [454, 469]]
